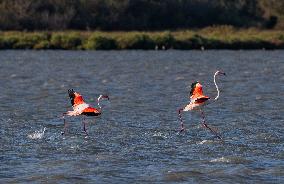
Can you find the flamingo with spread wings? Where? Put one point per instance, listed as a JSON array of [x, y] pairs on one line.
[[198, 100], [80, 107]]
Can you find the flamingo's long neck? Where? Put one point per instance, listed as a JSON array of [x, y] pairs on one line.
[[100, 97], [218, 92]]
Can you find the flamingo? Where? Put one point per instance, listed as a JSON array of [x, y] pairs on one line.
[[80, 107], [198, 100]]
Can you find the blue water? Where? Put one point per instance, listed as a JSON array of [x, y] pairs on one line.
[[136, 139]]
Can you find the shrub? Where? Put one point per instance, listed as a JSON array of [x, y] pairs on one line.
[[182, 44], [10, 41], [97, 42], [165, 40], [137, 41], [197, 41], [42, 45], [65, 41], [2, 44], [281, 37], [55, 41], [26, 42]]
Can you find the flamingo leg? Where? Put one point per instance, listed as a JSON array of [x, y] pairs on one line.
[[65, 125], [181, 121], [206, 126], [84, 126]]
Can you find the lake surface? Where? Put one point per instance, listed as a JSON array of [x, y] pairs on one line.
[[136, 139]]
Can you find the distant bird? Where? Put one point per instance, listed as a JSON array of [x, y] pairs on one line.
[[198, 100], [82, 108]]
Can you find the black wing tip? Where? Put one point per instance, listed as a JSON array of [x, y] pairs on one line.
[[194, 83], [71, 93], [193, 86]]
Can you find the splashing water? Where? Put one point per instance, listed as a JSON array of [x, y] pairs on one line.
[[222, 159], [160, 135], [37, 134], [207, 142]]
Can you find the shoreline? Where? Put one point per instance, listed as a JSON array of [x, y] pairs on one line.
[[212, 38]]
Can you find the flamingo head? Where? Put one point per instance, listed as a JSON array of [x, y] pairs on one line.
[[220, 73], [103, 97]]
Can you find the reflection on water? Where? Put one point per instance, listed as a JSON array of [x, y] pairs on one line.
[[136, 138]]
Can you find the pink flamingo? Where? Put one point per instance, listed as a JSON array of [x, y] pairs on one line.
[[82, 108], [198, 100]]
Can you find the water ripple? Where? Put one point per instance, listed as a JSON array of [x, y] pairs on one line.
[[136, 139]]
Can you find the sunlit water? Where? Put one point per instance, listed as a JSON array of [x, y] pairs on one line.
[[136, 139]]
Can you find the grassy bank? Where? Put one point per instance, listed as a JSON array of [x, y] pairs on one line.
[[208, 38]]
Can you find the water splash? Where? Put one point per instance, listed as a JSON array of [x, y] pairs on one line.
[[37, 134], [232, 160], [159, 135], [205, 142], [222, 159]]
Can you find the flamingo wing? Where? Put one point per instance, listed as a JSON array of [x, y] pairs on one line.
[[91, 111], [201, 99], [193, 88], [196, 91], [76, 98]]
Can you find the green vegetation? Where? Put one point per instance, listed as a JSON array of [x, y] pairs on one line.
[[222, 37], [138, 24]]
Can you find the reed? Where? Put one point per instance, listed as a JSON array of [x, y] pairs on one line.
[[221, 37]]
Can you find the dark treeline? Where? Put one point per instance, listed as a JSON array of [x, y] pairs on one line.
[[131, 14]]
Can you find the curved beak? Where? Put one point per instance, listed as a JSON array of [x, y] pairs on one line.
[[105, 96], [222, 73]]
